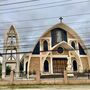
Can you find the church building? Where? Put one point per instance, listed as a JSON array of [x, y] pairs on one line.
[[58, 49]]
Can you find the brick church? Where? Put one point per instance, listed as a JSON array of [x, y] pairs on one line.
[[58, 49]]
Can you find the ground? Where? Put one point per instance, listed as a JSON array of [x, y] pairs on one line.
[[46, 87]]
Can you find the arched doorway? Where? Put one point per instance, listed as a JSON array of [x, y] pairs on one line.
[[45, 45], [46, 66], [26, 67], [74, 65]]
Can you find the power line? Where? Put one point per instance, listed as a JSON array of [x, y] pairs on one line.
[[25, 47], [43, 7], [38, 27], [41, 51], [23, 39], [37, 4], [43, 26], [30, 38], [72, 15], [18, 2], [29, 27], [29, 45], [85, 22]]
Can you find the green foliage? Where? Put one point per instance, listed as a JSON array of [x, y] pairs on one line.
[[0, 70], [8, 70]]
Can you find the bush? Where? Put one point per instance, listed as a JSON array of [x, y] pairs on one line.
[[0, 70], [8, 70]]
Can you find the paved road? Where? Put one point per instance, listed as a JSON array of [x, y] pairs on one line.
[[61, 87]]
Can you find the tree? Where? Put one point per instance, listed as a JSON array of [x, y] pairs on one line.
[[8, 70], [0, 70]]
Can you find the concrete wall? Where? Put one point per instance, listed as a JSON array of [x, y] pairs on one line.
[[45, 81]]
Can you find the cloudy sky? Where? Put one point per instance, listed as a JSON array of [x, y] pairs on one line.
[[32, 18]]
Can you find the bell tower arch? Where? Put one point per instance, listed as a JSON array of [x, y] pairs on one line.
[[11, 47]]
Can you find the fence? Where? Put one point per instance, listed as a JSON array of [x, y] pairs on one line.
[[61, 78], [78, 75], [52, 76], [32, 76]]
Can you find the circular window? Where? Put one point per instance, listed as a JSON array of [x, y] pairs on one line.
[[60, 50]]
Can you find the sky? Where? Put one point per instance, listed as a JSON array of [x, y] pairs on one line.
[[32, 18]]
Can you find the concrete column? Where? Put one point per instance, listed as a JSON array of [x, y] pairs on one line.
[[65, 77], [77, 47], [69, 65], [29, 65], [3, 70], [51, 66], [17, 70], [80, 66], [28, 70], [38, 76], [41, 45], [88, 57], [41, 64], [11, 76], [24, 66]]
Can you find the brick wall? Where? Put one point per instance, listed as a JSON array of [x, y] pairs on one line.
[[34, 64]]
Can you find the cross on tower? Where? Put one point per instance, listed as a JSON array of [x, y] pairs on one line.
[[61, 19]]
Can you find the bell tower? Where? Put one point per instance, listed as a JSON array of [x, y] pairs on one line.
[[10, 57]]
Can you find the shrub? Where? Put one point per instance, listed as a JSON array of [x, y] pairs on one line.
[[0, 70], [8, 70]]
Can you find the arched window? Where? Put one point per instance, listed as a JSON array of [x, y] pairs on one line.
[[73, 44], [46, 66], [74, 65], [26, 66], [58, 35], [45, 45]]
